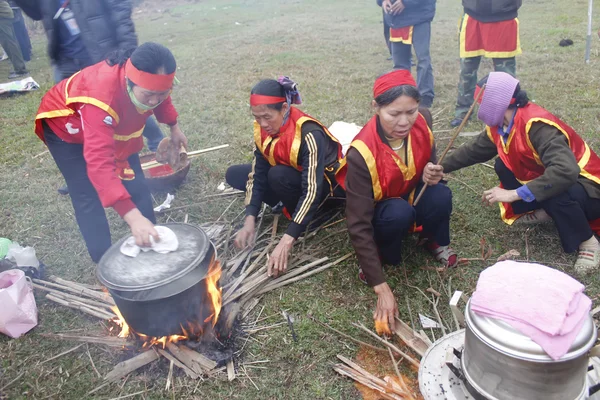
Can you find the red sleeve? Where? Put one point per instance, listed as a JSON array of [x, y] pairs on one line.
[[165, 113], [99, 154]]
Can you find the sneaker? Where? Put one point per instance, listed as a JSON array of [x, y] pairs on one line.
[[588, 260], [362, 277], [457, 121], [444, 254], [64, 190], [538, 216], [14, 75]]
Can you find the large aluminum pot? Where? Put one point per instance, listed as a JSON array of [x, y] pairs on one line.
[[503, 364], [156, 293]]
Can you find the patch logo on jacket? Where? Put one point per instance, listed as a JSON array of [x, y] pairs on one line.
[[108, 120]]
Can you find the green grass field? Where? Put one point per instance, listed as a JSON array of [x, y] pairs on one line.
[[334, 50]]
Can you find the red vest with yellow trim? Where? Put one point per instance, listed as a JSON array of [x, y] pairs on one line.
[[284, 147], [519, 155], [390, 176], [102, 86]]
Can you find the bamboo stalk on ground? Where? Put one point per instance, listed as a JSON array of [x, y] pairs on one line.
[[74, 285], [185, 359], [95, 313], [124, 368], [411, 338], [102, 308], [188, 371], [388, 344], [81, 292], [73, 297], [105, 340]]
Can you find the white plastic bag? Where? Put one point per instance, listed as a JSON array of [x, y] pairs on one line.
[[22, 256], [18, 313]]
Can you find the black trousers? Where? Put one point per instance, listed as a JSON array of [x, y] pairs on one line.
[[571, 210], [284, 185], [394, 217], [89, 211]]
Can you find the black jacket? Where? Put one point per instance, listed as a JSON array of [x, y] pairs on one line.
[[492, 10], [105, 25], [415, 12]]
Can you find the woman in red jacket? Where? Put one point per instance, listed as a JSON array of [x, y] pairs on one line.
[[92, 124]]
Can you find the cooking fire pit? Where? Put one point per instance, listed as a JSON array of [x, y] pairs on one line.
[[166, 294]]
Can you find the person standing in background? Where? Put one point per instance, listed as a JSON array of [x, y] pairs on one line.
[[9, 42], [386, 33], [410, 26], [82, 33], [488, 28], [21, 33]]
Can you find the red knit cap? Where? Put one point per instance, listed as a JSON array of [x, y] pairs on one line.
[[392, 79]]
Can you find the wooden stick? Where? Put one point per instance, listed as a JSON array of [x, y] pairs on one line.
[[62, 354], [129, 395], [388, 344], [191, 154], [451, 142], [73, 297], [124, 368], [365, 373], [411, 338], [188, 371], [81, 292], [346, 336], [198, 358], [81, 308], [400, 379], [106, 340], [92, 305], [74, 285], [343, 370], [92, 361], [11, 382]]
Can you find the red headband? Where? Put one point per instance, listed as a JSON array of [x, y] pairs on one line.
[[392, 79], [154, 82], [258, 99], [480, 99]]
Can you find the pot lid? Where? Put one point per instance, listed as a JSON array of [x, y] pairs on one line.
[[150, 269], [506, 339]]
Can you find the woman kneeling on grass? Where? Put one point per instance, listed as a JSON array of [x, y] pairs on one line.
[[389, 161], [546, 170], [92, 124], [295, 162]]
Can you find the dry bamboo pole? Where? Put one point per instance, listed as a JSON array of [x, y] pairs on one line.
[[74, 285], [191, 154], [83, 309], [73, 297], [185, 359], [188, 371], [124, 368], [108, 340], [81, 292], [101, 309], [268, 288], [451, 142], [350, 373]]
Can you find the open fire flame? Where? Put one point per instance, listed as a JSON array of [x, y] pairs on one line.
[[214, 294]]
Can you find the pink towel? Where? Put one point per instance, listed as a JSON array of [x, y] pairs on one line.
[[545, 304]]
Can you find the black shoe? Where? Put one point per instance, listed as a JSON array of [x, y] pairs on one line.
[[457, 121], [64, 190], [14, 75]]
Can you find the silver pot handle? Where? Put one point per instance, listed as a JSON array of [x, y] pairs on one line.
[[459, 317]]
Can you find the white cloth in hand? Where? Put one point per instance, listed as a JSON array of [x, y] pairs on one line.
[[168, 242]]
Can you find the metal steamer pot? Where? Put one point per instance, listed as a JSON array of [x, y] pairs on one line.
[[156, 293], [501, 363]]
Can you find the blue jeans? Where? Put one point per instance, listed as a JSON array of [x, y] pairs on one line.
[[393, 219], [401, 54], [89, 212], [64, 68]]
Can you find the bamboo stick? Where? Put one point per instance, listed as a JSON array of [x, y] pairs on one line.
[[124, 368], [81, 292], [346, 336], [73, 297], [366, 381], [303, 276], [62, 354], [185, 359], [411, 338], [198, 358], [188, 371], [81, 308], [108, 340], [191, 154], [454, 136], [230, 371], [388, 344], [102, 308], [74, 285]]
